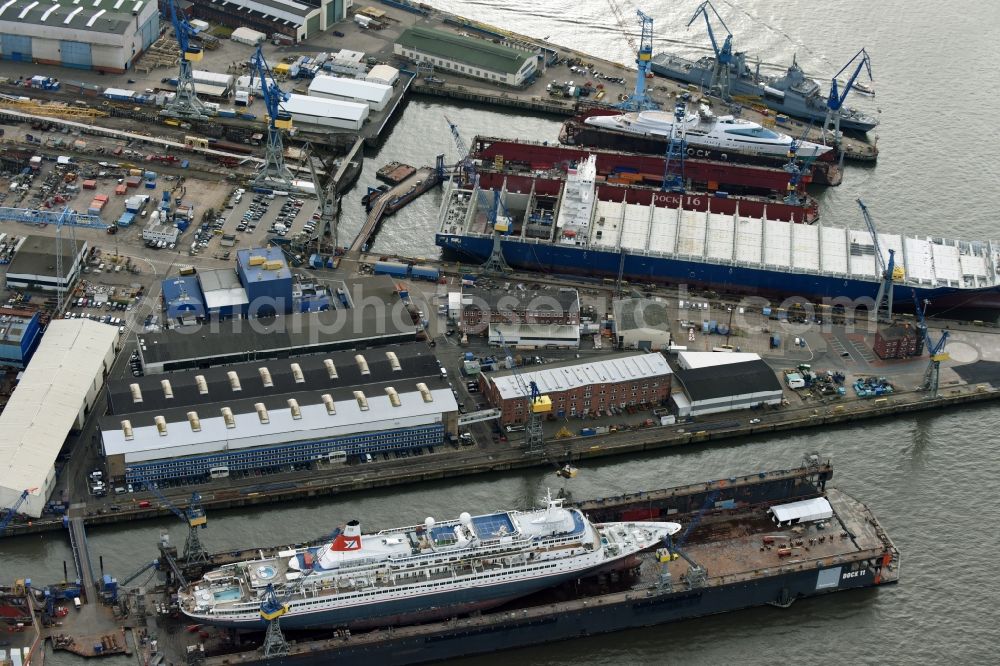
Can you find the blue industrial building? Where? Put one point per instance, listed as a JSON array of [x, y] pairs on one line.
[[267, 279], [261, 286], [20, 333], [273, 414], [183, 298]]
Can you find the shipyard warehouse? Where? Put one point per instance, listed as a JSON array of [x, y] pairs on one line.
[[104, 35], [270, 415]]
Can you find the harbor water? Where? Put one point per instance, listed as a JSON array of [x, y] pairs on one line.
[[930, 478]]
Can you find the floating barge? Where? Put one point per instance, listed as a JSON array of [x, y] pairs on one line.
[[735, 557], [395, 172]]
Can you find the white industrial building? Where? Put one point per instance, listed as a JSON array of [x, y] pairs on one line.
[[535, 336], [156, 233], [713, 384], [247, 36], [105, 35], [34, 264], [213, 80], [329, 113], [692, 360], [53, 398], [467, 56], [375, 95], [297, 20], [383, 74], [345, 61]]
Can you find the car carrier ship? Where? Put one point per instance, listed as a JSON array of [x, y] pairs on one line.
[[580, 226], [768, 538]]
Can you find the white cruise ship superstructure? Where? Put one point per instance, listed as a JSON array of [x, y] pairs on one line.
[[420, 572]]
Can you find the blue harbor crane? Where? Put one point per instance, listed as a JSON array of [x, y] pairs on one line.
[[697, 575], [273, 172], [797, 168], [271, 610], [6, 520], [934, 349], [887, 273], [195, 518], [538, 404], [673, 166], [640, 99], [498, 218], [835, 102], [185, 103], [723, 54]]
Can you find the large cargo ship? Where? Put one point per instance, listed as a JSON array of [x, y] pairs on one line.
[[581, 227], [420, 572], [741, 552], [793, 93]]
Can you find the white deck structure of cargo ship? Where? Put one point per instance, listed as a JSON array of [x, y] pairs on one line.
[[756, 243]]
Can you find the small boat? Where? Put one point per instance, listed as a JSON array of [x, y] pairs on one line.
[[862, 88], [567, 471]]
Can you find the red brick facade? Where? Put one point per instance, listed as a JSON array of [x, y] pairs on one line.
[[589, 399], [898, 342]]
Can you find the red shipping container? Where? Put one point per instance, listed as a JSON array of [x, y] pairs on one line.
[[90, 184]]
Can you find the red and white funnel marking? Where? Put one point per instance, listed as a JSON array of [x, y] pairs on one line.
[[349, 539]]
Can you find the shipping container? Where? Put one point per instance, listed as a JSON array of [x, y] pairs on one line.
[[424, 272], [391, 268]]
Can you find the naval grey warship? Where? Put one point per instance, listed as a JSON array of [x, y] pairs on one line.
[[793, 93]]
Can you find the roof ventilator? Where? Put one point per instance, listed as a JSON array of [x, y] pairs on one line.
[[161, 425], [194, 421], [393, 396], [168, 391], [362, 364], [425, 392], [234, 381], [293, 405], [393, 361], [227, 416], [265, 377], [297, 373], [202, 384], [127, 430], [136, 393], [331, 409], [362, 401], [330, 368], [262, 412]]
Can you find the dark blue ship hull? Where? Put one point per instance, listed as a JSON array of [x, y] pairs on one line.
[[571, 260]]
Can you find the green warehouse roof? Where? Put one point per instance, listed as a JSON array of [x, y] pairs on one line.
[[471, 51]]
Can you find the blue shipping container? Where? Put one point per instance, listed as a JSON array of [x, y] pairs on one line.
[[426, 273], [391, 268]]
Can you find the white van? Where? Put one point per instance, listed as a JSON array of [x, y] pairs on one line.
[[220, 472], [77, 604]]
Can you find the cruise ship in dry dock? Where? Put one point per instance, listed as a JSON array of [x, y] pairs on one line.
[[422, 572], [579, 226]]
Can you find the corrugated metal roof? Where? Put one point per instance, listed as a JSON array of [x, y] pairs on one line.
[[475, 52], [354, 88], [47, 401], [691, 360], [325, 108], [100, 16], [816, 508], [721, 381], [620, 369]]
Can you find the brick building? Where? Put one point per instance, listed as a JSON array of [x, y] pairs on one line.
[[898, 341], [551, 306], [583, 388]]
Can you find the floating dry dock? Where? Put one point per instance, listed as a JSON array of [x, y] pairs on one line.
[[735, 557]]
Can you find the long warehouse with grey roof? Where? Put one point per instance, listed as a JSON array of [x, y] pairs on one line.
[[276, 414], [104, 35]]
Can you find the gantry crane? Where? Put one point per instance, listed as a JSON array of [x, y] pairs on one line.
[[835, 102], [640, 99], [887, 273], [185, 103], [796, 168], [721, 72], [324, 238], [273, 172], [538, 404], [934, 349], [70, 218], [5, 521], [271, 611], [498, 218], [195, 518]]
